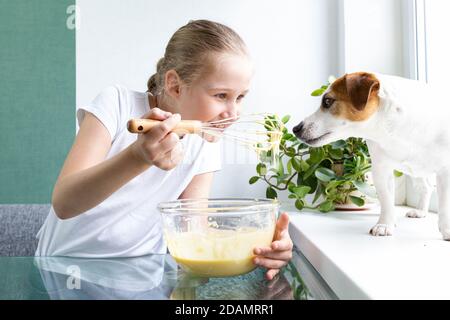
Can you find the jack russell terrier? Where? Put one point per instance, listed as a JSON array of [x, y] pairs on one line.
[[406, 127]]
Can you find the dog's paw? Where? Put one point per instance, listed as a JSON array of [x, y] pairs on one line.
[[446, 234], [382, 230], [415, 213], [445, 231]]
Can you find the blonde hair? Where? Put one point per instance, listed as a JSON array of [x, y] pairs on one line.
[[189, 48]]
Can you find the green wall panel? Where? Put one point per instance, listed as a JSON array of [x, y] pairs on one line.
[[37, 97]]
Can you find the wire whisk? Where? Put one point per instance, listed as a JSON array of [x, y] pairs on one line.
[[261, 132]]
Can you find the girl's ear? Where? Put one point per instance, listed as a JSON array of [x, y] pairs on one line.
[[172, 83]]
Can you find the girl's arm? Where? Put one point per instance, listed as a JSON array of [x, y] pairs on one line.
[[199, 187], [87, 179]]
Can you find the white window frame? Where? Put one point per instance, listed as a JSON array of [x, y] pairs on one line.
[[415, 49], [415, 44]]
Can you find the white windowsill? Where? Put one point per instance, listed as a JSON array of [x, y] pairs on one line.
[[412, 264]]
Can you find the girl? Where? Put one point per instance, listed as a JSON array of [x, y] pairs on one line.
[[103, 203]]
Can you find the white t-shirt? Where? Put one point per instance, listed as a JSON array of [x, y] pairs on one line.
[[127, 223]]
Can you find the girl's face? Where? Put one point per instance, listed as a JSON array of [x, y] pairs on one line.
[[219, 93]]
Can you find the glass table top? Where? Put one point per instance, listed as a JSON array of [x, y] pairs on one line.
[[155, 277]]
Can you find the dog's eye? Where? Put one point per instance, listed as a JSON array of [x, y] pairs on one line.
[[327, 102]]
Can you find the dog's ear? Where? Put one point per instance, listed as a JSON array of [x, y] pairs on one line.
[[361, 86]]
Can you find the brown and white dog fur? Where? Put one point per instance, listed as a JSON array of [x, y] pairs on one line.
[[406, 127]]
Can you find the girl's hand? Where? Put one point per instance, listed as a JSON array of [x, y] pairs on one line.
[[159, 146], [279, 253]]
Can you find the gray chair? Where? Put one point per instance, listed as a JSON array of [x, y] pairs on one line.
[[19, 224]]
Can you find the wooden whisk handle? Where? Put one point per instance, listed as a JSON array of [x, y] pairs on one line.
[[182, 128]]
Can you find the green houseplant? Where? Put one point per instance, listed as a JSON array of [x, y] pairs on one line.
[[320, 178]]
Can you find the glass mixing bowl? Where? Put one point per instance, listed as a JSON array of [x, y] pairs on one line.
[[216, 237]]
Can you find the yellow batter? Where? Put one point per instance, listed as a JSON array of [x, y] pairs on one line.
[[217, 253]]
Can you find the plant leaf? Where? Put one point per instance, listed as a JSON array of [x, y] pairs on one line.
[[316, 155], [325, 174], [319, 192], [281, 179], [301, 191], [317, 92], [285, 119], [310, 182], [365, 188], [287, 136], [261, 169], [289, 166], [357, 200], [338, 144], [291, 188], [304, 165], [299, 204], [310, 171], [326, 206], [336, 154], [280, 168], [397, 173], [333, 184], [253, 180], [296, 164], [271, 193]]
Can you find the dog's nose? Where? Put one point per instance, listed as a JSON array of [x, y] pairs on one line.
[[298, 129]]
